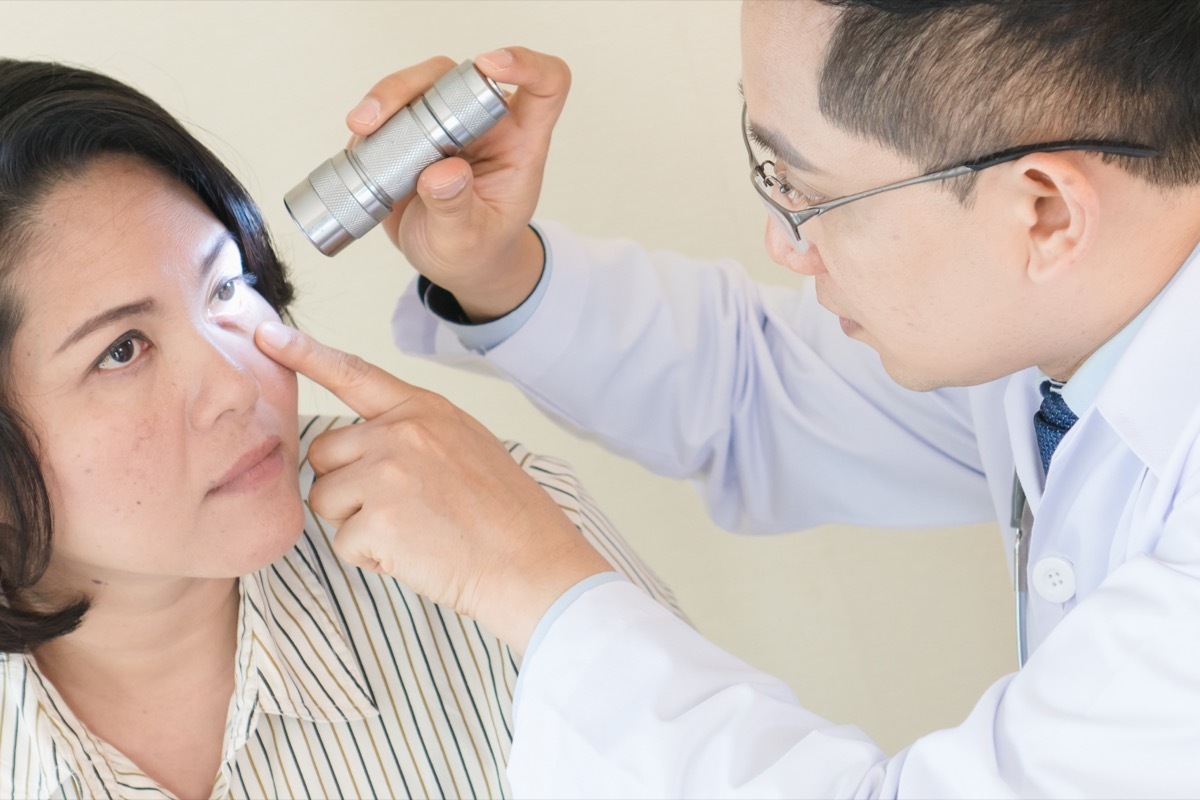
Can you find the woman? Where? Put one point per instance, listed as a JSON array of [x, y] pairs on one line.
[[174, 621]]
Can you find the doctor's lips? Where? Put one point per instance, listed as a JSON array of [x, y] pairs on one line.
[[849, 326], [256, 467]]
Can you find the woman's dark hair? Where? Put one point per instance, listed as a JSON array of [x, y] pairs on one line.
[[54, 121]]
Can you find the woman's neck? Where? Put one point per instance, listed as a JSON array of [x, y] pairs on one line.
[[151, 672], [141, 638]]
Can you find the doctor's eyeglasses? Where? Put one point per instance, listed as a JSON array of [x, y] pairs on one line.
[[793, 209]]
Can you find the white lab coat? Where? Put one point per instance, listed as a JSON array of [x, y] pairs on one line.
[[785, 423]]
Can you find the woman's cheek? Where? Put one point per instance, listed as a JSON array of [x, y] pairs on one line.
[[117, 471]]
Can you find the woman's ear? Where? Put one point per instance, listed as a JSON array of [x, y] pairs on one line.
[[1059, 207]]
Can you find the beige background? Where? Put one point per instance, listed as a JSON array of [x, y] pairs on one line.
[[895, 631]]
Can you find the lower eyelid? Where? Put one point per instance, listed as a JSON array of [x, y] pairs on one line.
[[811, 198]]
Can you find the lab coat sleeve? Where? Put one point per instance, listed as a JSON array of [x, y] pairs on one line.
[[754, 393], [622, 699]]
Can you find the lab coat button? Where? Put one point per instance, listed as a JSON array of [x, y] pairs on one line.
[[1054, 579]]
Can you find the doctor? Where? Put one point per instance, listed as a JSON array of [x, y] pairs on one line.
[[1013, 334]]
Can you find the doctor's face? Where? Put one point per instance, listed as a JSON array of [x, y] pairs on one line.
[[933, 286], [167, 440]]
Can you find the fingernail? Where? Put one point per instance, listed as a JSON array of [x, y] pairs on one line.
[[497, 59], [276, 334], [444, 191], [366, 112]]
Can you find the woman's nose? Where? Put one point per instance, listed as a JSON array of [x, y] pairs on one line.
[[799, 257], [223, 385]]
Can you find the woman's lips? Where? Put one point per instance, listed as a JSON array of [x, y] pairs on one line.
[[257, 467]]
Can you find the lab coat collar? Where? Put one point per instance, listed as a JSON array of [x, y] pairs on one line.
[[1157, 366], [1152, 393]]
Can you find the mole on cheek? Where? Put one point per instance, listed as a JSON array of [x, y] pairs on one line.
[[82, 458], [143, 432]]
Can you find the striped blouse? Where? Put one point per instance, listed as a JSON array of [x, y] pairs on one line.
[[347, 684]]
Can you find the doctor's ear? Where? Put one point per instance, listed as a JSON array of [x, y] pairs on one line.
[[1059, 207]]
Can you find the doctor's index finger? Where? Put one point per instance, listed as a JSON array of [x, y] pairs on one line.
[[368, 390], [394, 92], [542, 81]]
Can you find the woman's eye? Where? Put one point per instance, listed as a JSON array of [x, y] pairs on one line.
[[229, 294], [228, 289], [123, 353]]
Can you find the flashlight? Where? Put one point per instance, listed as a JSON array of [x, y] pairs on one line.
[[354, 191]]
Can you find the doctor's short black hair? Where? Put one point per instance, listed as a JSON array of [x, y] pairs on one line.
[[55, 120], [946, 81]]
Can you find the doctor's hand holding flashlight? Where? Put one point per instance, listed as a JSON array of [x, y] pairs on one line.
[[467, 227]]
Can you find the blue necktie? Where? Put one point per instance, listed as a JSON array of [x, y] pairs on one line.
[[1052, 421]]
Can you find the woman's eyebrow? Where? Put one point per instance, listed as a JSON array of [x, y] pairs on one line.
[[210, 258], [104, 318], [145, 306]]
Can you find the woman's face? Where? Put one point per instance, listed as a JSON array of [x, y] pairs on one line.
[[168, 441]]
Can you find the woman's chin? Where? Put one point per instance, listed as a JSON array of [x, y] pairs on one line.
[[266, 536]]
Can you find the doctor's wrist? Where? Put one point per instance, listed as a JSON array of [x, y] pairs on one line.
[[513, 278], [511, 601]]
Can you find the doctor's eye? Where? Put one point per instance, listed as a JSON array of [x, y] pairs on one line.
[[794, 197]]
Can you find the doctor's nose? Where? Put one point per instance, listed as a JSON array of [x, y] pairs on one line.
[[221, 386], [784, 250]]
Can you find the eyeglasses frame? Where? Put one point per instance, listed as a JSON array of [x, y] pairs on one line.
[[794, 219]]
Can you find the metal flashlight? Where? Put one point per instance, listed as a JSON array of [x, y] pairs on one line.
[[354, 191]]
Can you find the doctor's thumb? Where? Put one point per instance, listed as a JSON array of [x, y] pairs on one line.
[[445, 188]]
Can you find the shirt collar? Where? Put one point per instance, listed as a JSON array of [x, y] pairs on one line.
[[1159, 365], [1081, 390], [292, 660], [1113, 381], [292, 657], [69, 757]]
